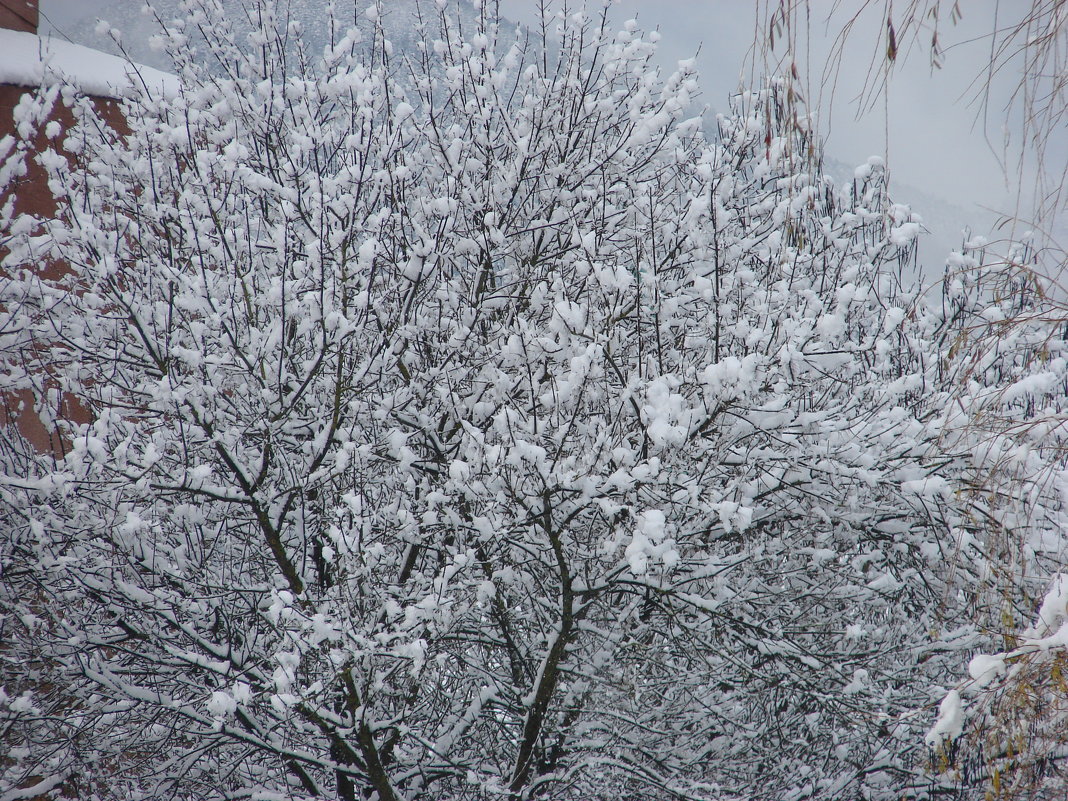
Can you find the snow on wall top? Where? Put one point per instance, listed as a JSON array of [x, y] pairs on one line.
[[30, 60]]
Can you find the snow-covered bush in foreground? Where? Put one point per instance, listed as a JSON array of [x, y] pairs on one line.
[[1002, 732], [465, 425], [1010, 737]]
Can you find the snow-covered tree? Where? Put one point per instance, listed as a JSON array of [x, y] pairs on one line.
[[1000, 733], [465, 424], [1003, 730]]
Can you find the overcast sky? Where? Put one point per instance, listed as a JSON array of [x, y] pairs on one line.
[[926, 127]]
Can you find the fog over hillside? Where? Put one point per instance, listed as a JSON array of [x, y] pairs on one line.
[[947, 223], [136, 28]]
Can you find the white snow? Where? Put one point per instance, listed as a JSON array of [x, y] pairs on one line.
[[984, 668], [221, 704], [1059, 639], [1054, 610], [950, 721], [30, 60]]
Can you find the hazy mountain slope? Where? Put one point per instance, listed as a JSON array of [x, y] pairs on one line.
[[136, 27], [944, 221]]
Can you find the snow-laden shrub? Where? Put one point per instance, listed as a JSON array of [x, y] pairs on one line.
[[464, 424]]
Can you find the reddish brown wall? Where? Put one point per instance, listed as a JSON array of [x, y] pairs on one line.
[[19, 15], [31, 191], [32, 196]]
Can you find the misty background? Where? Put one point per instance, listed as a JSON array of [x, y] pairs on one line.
[[955, 159]]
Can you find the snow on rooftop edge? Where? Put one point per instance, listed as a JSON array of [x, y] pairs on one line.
[[30, 60]]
